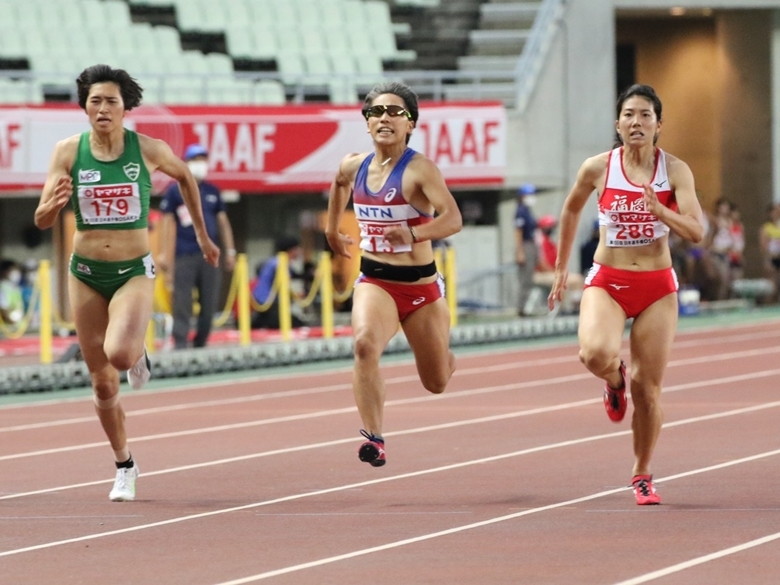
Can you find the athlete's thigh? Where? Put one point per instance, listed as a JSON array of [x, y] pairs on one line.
[[428, 333], [652, 335], [90, 315], [602, 321], [129, 312], [374, 313]]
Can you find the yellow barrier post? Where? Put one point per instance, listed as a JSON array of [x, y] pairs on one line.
[[452, 293], [326, 295], [151, 346], [44, 282], [242, 280], [283, 276]]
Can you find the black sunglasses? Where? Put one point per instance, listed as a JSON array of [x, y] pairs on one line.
[[392, 111]]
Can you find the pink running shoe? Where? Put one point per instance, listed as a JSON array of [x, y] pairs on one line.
[[644, 490], [373, 450], [615, 401]]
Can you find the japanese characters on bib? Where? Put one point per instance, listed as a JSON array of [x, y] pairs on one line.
[[119, 203], [386, 208], [622, 207]]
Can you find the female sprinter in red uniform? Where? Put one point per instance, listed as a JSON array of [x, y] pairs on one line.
[[643, 193], [396, 192]]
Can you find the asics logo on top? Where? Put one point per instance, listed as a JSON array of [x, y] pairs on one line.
[[124, 270], [390, 194], [618, 286], [661, 184], [418, 301], [132, 170], [89, 176]]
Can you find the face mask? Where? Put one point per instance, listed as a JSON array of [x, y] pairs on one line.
[[15, 276], [199, 169], [530, 200]]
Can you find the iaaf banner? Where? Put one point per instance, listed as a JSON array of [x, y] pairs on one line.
[[265, 149]]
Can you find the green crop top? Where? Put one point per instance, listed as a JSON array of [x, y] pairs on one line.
[[111, 195]]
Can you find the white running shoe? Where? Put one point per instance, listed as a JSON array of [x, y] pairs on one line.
[[140, 373], [124, 484]]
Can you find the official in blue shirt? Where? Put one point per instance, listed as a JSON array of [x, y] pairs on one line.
[[181, 259]]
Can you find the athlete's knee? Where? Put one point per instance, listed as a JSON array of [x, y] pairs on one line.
[[596, 359], [367, 348], [436, 381], [436, 385], [122, 356]]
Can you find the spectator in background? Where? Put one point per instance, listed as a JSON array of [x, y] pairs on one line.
[[266, 275], [11, 301], [181, 259], [769, 239], [526, 253], [722, 244], [738, 247], [545, 266]]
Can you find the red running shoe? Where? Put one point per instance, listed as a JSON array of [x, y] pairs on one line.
[[615, 401], [644, 490], [373, 450]]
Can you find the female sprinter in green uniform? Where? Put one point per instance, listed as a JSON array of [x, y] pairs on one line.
[[106, 173]]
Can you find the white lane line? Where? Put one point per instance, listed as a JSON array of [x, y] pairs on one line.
[[700, 560], [450, 425], [394, 380], [472, 526], [362, 484], [446, 396], [474, 354]]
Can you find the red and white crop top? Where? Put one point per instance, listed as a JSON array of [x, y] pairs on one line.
[[622, 206]]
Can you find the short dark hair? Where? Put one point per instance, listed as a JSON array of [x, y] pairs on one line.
[[131, 91], [402, 90], [286, 243]]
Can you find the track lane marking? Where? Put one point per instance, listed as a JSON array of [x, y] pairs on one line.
[[460, 465]]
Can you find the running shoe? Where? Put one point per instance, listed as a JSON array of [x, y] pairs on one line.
[[140, 373], [644, 490], [615, 401], [124, 484], [373, 450]]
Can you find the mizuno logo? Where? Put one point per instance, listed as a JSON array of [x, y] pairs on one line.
[[661, 184], [418, 301], [124, 270], [618, 286]]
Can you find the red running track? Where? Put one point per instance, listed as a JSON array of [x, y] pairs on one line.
[[514, 475]]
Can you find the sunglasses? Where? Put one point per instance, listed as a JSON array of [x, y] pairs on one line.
[[392, 111]]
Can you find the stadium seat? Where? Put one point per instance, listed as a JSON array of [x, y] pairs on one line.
[[269, 92], [20, 92]]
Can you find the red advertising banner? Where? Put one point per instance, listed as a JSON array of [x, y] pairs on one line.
[[262, 149]]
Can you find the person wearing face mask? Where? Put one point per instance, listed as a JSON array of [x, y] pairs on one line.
[[11, 302], [181, 259]]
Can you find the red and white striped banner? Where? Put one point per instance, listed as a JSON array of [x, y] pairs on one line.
[[266, 149]]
